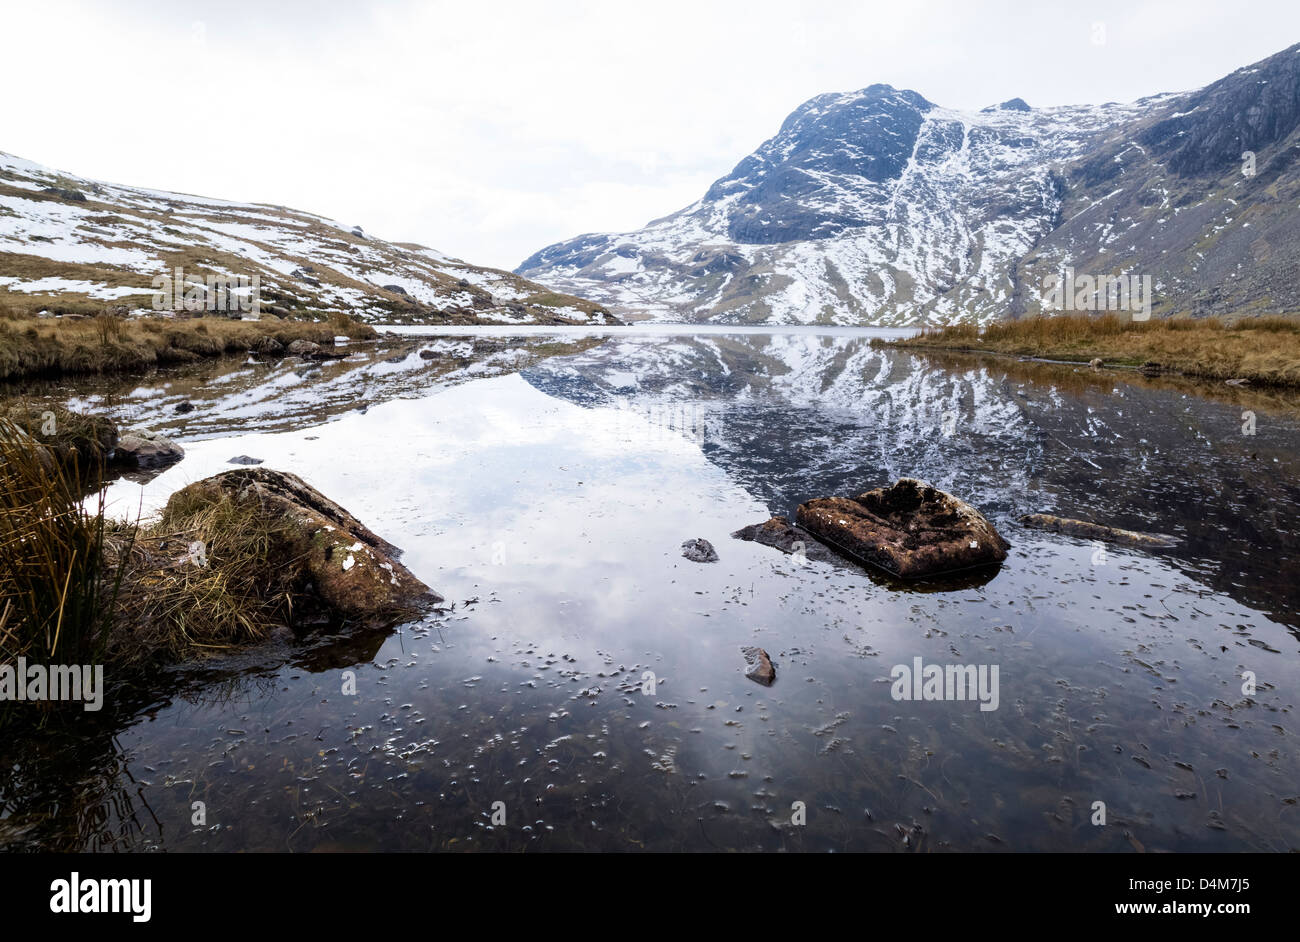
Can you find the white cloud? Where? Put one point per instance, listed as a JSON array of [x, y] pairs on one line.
[[491, 129]]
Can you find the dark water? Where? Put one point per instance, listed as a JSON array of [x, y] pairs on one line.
[[544, 486]]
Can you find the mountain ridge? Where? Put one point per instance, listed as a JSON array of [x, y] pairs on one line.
[[879, 207]]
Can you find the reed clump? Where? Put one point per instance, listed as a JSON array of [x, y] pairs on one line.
[[56, 594], [78, 586]]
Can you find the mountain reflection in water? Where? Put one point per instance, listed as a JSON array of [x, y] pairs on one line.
[[590, 679]]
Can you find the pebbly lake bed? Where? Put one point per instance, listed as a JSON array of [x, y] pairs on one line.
[[582, 687]]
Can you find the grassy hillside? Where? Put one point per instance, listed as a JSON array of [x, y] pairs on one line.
[[72, 245]]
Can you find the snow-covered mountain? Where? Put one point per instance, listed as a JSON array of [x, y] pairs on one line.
[[879, 207], [72, 244]]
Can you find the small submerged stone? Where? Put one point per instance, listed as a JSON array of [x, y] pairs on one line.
[[758, 665], [780, 533], [145, 449], [1095, 531]]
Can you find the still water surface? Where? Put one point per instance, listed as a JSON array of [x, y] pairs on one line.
[[544, 485]]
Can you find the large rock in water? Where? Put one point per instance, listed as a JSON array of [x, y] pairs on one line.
[[911, 530], [346, 566]]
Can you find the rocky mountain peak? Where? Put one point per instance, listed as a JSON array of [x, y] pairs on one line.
[[880, 207]]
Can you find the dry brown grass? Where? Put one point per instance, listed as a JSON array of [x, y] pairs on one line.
[[106, 344], [200, 579], [19, 307], [35, 267], [348, 326], [55, 594], [1265, 351], [79, 587]]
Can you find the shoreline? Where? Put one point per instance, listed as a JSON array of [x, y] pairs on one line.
[[1263, 353], [46, 348]]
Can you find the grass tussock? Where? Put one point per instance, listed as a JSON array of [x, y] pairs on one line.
[[56, 594], [106, 343], [204, 577], [346, 325], [1265, 351], [77, 586], [80, 442]]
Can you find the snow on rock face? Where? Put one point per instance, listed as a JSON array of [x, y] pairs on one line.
[[67, 237], [874, 207], [880, 208]]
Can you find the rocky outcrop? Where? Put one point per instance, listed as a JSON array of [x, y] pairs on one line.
[[72, 196], [910, 529], [345, 567], [1095, 531]]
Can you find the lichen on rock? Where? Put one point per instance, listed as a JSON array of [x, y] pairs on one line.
[[910, 529]]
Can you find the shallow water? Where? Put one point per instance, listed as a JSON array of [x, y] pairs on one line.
[[544, 486]]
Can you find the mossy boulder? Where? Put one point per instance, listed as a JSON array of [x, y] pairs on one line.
[[345, 567]]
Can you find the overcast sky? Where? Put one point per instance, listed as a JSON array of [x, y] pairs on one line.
[[490, 129]]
